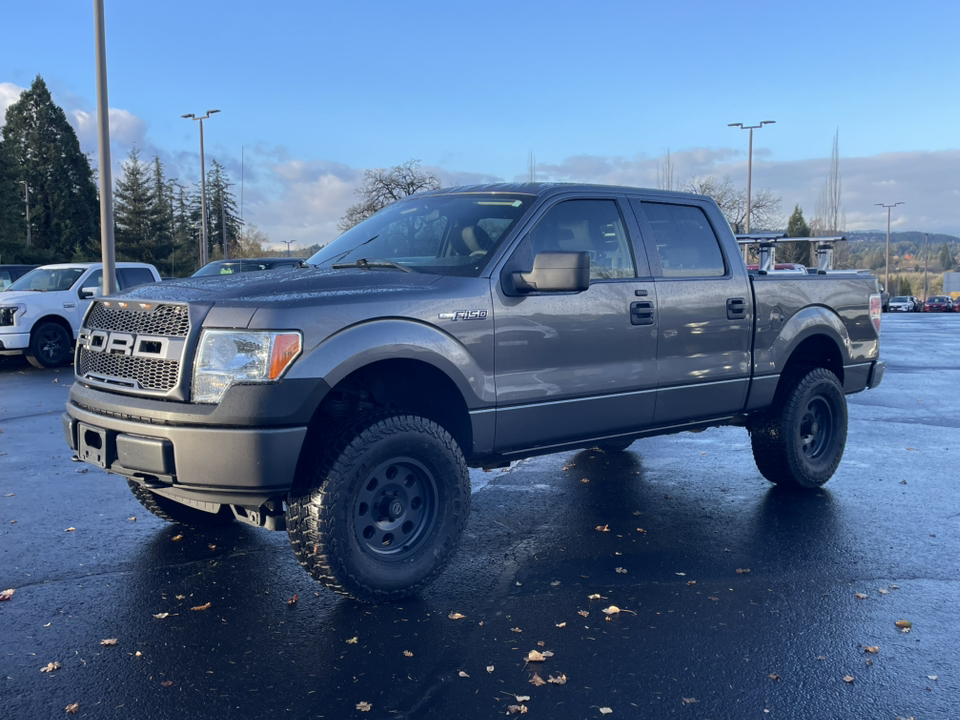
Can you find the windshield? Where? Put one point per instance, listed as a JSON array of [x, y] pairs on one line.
[[442, 234], [228, 268], [48, 279], [939, 299], [900, 298]]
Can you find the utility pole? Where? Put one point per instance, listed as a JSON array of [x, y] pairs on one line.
[[26, 198], [107, 253], [204, 250], [926, 257], [288, 246], [751, 128], [886, 279]]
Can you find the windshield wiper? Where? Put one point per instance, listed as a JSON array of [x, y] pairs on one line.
[[368, 264]]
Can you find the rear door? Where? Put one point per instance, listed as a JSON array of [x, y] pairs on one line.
[[705, 309], [577, 365]]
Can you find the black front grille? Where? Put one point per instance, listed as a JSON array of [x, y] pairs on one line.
[[168, 320], [149, 373]]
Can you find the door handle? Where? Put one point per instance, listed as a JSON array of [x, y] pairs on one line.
[[641, 312], [736, 308]]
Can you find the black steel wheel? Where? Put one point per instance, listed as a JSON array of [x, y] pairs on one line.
[[50, 346], [379, 514], [799, 442], [174, 512]]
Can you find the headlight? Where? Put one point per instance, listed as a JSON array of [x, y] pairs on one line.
[[231, 357], [9, 314]]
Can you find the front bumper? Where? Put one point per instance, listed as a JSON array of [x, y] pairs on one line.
[[14, 343]]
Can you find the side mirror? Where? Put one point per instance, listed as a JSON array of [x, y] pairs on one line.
[[90, 292], [553, 272]]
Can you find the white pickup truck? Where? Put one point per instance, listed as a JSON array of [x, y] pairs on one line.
[[41, 312]]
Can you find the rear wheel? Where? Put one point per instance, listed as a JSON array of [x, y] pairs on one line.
[[50, 346], [172, 511], [379, 515], [799, 442]]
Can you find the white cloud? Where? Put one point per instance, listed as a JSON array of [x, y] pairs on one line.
[[9, 94], [125, 129]]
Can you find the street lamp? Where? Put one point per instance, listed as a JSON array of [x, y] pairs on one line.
[[886, 279], [26, 197], [288, 242], [203, 187], [751, 128]]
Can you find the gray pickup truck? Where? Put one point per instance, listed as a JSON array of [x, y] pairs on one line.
[[345, 400]]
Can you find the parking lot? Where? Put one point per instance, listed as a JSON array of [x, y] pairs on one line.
[[668, 581]]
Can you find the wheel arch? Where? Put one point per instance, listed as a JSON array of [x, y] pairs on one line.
[[54, 318]]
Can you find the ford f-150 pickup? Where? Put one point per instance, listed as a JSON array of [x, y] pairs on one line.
[[345, 400]]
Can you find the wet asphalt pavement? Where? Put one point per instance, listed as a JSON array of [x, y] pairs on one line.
[[736, 600]]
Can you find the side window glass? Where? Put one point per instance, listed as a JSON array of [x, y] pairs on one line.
[[594, 226], [94, 279], [131, 277], [686, 243]]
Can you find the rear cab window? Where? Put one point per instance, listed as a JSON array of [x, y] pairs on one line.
[[686, 244]]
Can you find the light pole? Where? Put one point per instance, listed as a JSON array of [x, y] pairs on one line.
[[107, 245], [751, 128], [26, 198], [203, 187], [886, 278], [288, 246]]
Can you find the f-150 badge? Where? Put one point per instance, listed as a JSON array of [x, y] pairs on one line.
[[464, 315]]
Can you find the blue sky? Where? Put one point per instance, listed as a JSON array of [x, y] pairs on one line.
[[317, 92]]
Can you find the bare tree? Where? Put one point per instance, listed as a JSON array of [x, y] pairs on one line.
[[381, 187], [665, 173], [764, 205], [830, 217]]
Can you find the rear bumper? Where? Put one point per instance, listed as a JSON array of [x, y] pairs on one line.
[[876, 373], [241, 464]]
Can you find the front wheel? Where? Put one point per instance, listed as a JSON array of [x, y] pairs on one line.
[[379, 515], [800, 440], [50, 346]]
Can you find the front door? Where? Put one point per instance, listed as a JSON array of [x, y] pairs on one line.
[[571, 366]]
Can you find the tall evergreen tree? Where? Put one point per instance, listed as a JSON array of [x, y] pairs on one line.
[[135, 212], [13, 227], [947, 261], [162, 191], [221, 204], [45, 152], [798, 252]]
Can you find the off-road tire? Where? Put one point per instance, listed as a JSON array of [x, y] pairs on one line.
[[379, 514], [174, 512], [50, 346], [800, 440]]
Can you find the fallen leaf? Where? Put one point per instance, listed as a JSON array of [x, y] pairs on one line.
[[353, 640], [50, 667], [205, 606], [70, 529], [462, 674], [516, 709], [72, 708], [558, 680], [456, 616], [407, 653], [534, 656], [109, 641], [904, 624], [161, 616], [555, 583], [848, 678], [537, 681], [862, 596], [622, 571], [596, 596], [364, 706], [490, 668], [605, 711], [872, 648], [541, 643], [561, 625], [177, 538], [933, 677], [584, 613], [641, 530], [293, 601], [521, 698], [132, 519], [166, 683], [773, 676], [7, 594], [691, 582], [612, 610], [689, 701], [742, 571], [516, 630], [603, 528]]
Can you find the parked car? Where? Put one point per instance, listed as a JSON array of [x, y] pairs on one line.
[[40, 313], [10, 273], [938, 303], [905, 303], [229, 267]]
